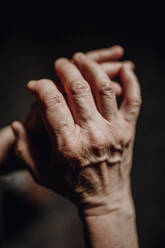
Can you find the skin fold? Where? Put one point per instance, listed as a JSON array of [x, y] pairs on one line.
[[85, 152]]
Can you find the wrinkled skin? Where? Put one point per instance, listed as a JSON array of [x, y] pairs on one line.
[[33, 121], [37, 134], [35, 129], [90, 146]]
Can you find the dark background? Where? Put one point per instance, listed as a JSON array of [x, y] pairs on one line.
[[32, 36]]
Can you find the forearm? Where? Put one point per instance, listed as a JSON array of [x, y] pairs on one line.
[[116, 229]]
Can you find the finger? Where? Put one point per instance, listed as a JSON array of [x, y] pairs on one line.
[[101, 85], [113, 68], [116, 87], [106, 54], [56, 111], [132, 96], [22, 147], [78, 91], [7, 140]]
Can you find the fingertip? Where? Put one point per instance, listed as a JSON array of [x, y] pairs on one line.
[[118, 49], [126, 67], [60, 61], [31, 85], [78, 56], [17, 127], [130, 64]]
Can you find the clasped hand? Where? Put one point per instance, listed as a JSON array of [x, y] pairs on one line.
[[85, 138]]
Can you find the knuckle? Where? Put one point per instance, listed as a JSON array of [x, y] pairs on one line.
[[53, 101], [106, 89], [124, 132], [70, 151], [78, 87], [135, 101], [98, 140], [98, 144]]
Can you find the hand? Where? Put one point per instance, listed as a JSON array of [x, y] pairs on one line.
[[107, 59], [92, 144], [92, 139], [32, 134]]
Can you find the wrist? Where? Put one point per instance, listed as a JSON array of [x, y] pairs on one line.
[[115, 227], [119, 202]]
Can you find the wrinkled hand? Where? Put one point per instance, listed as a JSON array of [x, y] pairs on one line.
[[91, 138], [29, 141]]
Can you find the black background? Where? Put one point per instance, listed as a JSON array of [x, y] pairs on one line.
[[32, 36]]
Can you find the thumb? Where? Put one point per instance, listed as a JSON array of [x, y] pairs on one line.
[[7, 140], [23, 146]]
